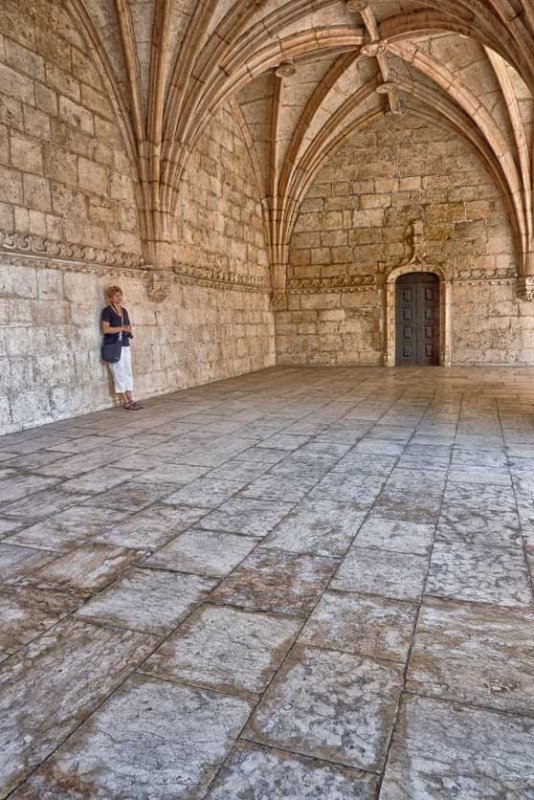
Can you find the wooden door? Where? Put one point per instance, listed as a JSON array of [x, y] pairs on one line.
[[417, 319]]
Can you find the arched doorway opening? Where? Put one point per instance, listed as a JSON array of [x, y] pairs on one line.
[[396, 282], [417, 320]]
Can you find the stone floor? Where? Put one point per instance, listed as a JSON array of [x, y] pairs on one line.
[[298, 584]]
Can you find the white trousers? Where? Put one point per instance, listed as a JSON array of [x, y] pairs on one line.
[[122, 372]]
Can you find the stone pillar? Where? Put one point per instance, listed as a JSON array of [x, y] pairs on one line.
[[446, 325]]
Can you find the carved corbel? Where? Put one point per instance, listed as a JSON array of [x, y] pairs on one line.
[[158, 285], [279, 300], [525, 288]]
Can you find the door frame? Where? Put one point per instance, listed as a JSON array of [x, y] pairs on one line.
[[445, 292]]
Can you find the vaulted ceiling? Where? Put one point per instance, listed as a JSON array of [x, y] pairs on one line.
[[301, 76]]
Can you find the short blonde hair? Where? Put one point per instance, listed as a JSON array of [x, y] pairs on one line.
[[110, 291]]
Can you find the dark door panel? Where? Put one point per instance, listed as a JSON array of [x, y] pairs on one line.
[[417, 319]]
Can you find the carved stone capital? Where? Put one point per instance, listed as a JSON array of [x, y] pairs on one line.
[[525, 288]]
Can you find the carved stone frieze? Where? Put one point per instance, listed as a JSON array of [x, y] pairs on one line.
[[477, 274], [27, 250], [50, 249], [212, 276], [525, 288], [337, 283]]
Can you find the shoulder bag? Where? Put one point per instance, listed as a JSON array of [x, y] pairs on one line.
[[111, 353]]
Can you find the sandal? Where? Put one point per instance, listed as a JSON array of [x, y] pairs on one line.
[[135, 405], [128, 406]]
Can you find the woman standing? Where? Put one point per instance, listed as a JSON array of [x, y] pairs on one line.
[[116, 324]]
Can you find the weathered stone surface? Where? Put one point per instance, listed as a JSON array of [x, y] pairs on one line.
[[467, 652], [65, 530], [330, 705], [321, 527], [482, 655], [250, 517], [225, 649], [396, 575], [396, 535], [84, 569], [279, 775], [150, 528], [25, 613], [273, 580], [148, 600], [370, 626], [63, 677], [17, 562], [126, 749], [203, 552], [442, 750], [479, 574]]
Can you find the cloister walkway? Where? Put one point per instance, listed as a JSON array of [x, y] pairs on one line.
[[296, 584]]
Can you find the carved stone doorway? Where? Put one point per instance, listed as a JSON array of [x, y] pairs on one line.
[[444, 313], [417, 320]]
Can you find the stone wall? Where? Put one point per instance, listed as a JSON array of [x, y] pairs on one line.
[[67, 202], [218, 220], [355, 227], [64, 172]]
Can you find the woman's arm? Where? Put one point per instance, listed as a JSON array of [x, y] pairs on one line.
[[106, 328]]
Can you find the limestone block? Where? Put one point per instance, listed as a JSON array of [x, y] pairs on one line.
[[68, 87], [37, 222], [76, 115], [313, 301], [60, 165], [31, 405], [7, 219], [120, 187], [16, 85], [332, 315], [26, 153], [17, 281], [11, 184], [370, 217], [22, 219], [4, 145], [92, 176], [68, 202], [84, 68], [46, 99], [96, 101], [375, 200], [36, 123], [59, 132], [50, 284], [37, 192], [24, 60]]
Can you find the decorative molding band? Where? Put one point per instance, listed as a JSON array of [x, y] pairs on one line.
[[213, 277], [338, 283], [28, 250], [477, 275], [40, 247]]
